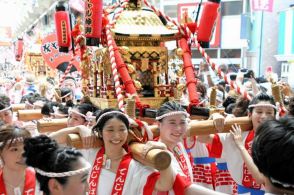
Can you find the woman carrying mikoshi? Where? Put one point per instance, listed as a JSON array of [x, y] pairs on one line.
[[15, 177], [113, 170], [243, 171], [59, 170]]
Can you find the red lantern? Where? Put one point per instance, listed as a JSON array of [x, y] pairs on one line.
[[93, 21], [18, 49], [207, 21], [62, 25]]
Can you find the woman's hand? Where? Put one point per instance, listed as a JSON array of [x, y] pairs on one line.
[[152, 145], [236, 132], [218, 121], [86, 135]]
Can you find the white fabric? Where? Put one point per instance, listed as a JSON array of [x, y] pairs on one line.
[[176, 166], [232, 155], [135, 181], [200, 151]]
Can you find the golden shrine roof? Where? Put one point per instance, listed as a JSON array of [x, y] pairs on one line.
[[142, 25]]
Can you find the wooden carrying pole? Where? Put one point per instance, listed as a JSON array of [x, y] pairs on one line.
[[17, 107], [29, 115], [51, 125], [157, 158]]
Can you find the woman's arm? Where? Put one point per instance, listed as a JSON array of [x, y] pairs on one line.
[[61, 135], [236, 133], [197, 189], [166, 179]]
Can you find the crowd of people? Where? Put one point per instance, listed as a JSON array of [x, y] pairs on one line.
[[258, 161]]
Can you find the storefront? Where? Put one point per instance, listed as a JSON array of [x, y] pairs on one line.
[[286, 44]]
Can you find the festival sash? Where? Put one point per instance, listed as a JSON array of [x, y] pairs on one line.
[[30, 183], [248, 180], [120, 178], [182, 162]]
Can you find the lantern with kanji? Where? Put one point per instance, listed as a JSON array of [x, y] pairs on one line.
[[62, 24], [93, 21], [18, 49]]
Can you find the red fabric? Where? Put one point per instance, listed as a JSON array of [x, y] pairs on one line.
[[120, 178], [216, 147], [150, 184], [248, 180], [30, 183], [180, 185]]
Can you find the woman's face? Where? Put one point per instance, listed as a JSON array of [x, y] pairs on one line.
[[12, 157], [75, 119], [114, 133], [172, 129], [76, 184], [261, 113], [6, 116]]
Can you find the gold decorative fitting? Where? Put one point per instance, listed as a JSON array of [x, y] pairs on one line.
[[144, 25]]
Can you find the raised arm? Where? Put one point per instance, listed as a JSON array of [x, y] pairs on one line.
[[236, 133]]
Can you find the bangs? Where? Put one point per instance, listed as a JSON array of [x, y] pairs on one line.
[[13, 135]]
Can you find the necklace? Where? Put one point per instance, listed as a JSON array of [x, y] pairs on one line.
[[107, 161], [16, 189]]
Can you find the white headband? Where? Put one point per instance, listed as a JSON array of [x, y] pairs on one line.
[[262, 105], [4, 109], [68, 94], [64, 174], [172, 113], [285, 185], [13, 141], [111, 112], [89, 115], [55, 113]]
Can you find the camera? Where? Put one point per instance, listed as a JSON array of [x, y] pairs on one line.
[[249, 74]]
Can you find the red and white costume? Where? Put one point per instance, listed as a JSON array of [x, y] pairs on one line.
[[203, 173], [29, 185], [224, 146], [223, 181]]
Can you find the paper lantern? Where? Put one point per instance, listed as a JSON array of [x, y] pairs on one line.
[[62, 24], [207, 21], [93, 21], [18, 49]]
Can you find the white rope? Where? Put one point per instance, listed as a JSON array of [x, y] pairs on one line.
[[172, 114], [88, 117], [64, 174], [4, 109], [111, 112], [286, 185], [12, 141], [262, 105]]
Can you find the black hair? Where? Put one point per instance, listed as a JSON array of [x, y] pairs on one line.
[[70, 78], [4, 101], [100, 125], [9, 134], [45, 154], [32, 98], [273, 151], [229, 100], [47, 109], [241, 107], [169, 106], [85, 107], [291, 106], [261, 97]]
